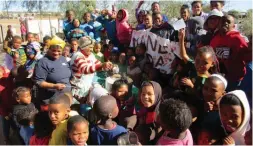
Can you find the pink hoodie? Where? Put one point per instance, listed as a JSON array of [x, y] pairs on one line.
[[124, 30]]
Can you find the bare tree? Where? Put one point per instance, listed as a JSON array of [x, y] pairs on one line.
[[7, 5]]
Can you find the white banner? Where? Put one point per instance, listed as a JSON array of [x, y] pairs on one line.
[[161, 52]]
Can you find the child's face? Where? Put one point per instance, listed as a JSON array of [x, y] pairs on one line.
[[213, 90], [70, 15], [122, 58], [148, 21], [37, 38], [203, 62], [213, 22], [131, 61], [184, 13], [147, 96], [130, 52], [216, 5], [87, 17], [205, 138], [158, 20], [197, 8], [231, 116], [47, 43], [76, 23], [24, 98], [139, 51], [114, 57], [227, 23], [66, 51], [30, 38], [110, 47], [79, 134], [58, 113], [97, 48], [121, 92], [120, 15], [17, 43], [74, 46]]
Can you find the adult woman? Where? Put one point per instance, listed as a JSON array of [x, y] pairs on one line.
[[84, 65], [52, 72]]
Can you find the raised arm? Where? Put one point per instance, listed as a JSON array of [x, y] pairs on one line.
[[181, 36]]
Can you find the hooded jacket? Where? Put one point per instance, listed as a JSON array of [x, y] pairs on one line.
[[238, 135], [124, 30], [232, 51]]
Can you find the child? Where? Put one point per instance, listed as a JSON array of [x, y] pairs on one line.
[[231, 50], [25, 118], [114, 56], [121, 90], [23, 30], [17, 53], [43, 128], [122, 63], [205, 63], [46, 44], [30, 37], [106, 52], [150, 97], [33, 55], [74, 47], [235, 116], [133, 71], [208, 136], [124, 30], [175, 118], [77, 32], [59, 108], [66, 52], [6, 88], [106, 131], [37, 37], [97, 52], [141, 55], [78, 130], [23, 98]]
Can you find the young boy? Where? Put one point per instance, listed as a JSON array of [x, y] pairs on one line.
[[16, 54], [231, 50], [106, 132], [59, 108], [46, 44], [74, 46]]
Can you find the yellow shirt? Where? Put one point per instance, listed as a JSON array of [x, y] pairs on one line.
[[60, 134]]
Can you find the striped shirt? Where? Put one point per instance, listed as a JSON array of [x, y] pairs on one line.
[[82, 64]]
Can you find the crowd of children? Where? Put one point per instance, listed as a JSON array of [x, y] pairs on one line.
[[50, 94]]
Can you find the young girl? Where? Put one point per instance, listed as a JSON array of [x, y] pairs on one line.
[[78, 130], [235, 116], [43, 128], [176, 127], [124, 30], [122, 63], [97, 52], [200, 69], [121, 90], [66, 52], [141, 55], [150, 97]]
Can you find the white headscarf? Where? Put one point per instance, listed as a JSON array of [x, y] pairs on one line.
[[238, 135]]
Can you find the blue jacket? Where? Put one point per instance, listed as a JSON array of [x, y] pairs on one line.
[[93, 29], [67, 26]]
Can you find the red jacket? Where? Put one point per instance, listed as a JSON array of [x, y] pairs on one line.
[[232, 51], [6, 99]]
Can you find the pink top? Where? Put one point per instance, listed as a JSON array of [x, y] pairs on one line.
[[23, 29], [164, 140]]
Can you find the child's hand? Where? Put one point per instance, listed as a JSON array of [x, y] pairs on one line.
[[187, 82], [107, 66], [181, 34], [228, 141], [209, 106]]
